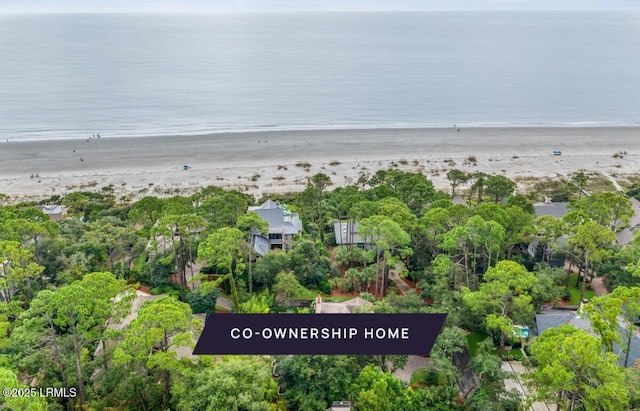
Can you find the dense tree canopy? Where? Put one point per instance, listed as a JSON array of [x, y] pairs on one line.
[[574, 373], [66, 289]]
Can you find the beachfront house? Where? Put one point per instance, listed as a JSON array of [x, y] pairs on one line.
[[283, 226]]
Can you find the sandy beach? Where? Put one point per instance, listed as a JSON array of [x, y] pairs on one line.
[[273, 161]]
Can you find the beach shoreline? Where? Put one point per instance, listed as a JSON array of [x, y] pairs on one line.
[[111, 135], [272, 161]]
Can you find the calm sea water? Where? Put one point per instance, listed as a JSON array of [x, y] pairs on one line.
[[67, 76]]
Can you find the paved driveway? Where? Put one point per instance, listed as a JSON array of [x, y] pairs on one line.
[[415, 362]]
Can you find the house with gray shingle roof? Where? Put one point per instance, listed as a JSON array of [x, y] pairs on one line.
[[624, 236], [548, 207], [283, 225], [261, 245], [555, 318]]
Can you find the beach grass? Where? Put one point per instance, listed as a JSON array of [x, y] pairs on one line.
[[627, 181], [539, 188], [598, 183]]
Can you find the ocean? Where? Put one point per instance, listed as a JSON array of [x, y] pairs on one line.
[[75, 75]]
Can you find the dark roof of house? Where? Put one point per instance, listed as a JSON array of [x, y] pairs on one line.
[[269, 205], [279, 218], [624, 236], [634, 221], [554, 318], [261, 245], [558, 209]]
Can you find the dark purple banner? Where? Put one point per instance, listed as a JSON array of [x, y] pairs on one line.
[[355, 334]]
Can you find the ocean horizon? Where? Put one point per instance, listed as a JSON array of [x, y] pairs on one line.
[[120, 75]]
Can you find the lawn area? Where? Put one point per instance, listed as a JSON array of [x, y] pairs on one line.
[[575, 292], [473, 339]]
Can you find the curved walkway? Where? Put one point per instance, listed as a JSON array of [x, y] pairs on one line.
[[414, 362], [515, 369], [597, 285], [225, 302], [402, 286]]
